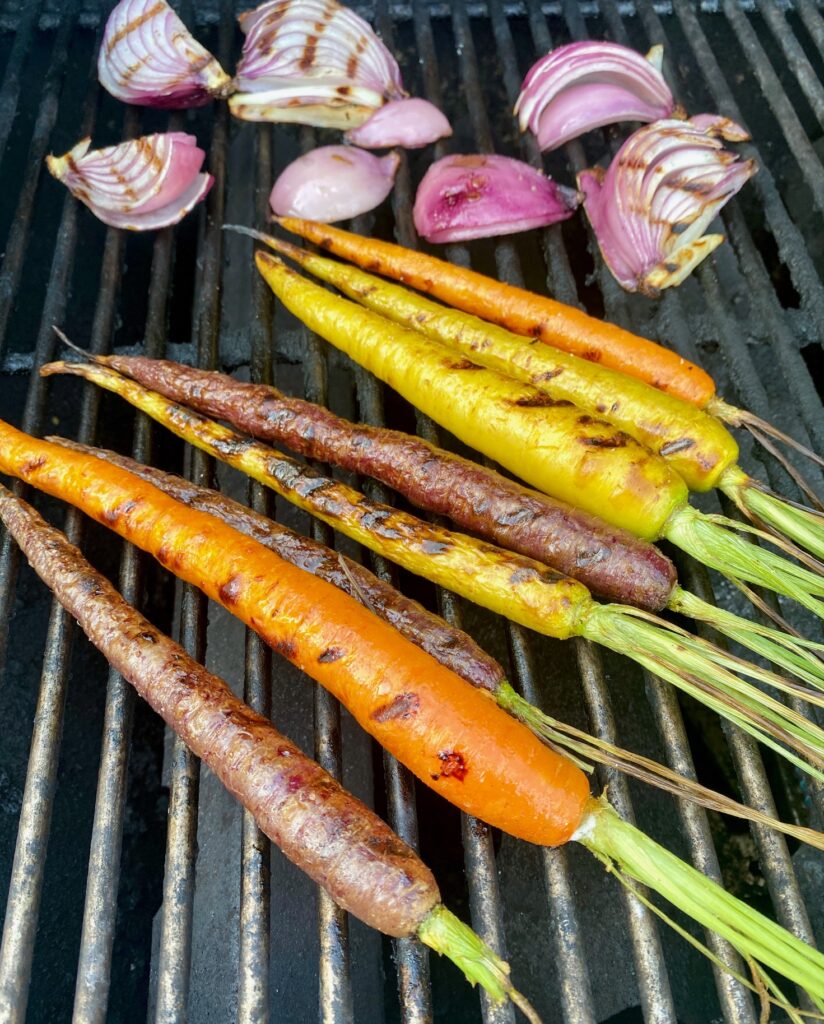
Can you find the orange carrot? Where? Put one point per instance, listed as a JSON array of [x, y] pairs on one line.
[[521, 311], [452, 736]]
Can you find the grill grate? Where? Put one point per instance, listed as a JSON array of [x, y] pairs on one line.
[[753, 316]]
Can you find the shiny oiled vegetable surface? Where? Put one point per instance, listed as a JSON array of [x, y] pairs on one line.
[[451, 735], [612, 563], [327, 832], [536, 316], [554, 446], [450, 646], [695, 444]]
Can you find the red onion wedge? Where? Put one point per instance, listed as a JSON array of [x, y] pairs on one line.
[[314, 62], [410, 123], [478, 196], [649, 209], [141, 184], [149, 57], [590, 84], [334, 183]]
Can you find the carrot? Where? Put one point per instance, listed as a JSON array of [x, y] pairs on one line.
[[512, 585], [696, 445], [539, 317], [612, 564], [450, 735], [524, 430], [521, 311], [339, 842], [452, 647], [463, 745]]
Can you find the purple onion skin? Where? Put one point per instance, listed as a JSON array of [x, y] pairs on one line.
[[611, 563]]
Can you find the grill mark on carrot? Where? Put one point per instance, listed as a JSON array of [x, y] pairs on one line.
[[604, 441], [540, 400], [453, 765], [402, 705], [231, 589], [677, 446], [32, 465], [331, 654]]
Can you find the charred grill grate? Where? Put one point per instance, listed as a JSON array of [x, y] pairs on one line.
[[754, 316]]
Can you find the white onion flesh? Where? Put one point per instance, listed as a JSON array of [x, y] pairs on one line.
[[315, 62], [141, 185], [334, 183], [586, 85], [651, 207], [149, 57]]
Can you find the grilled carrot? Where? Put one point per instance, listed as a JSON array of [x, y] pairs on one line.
[[450, 735], [539, 317], [328, 833], [612, 564], [521, 311], [463, 745], [528, 433], [452, 647], [696, 445], [522, 589]]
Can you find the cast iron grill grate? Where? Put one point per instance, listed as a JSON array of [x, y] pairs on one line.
[[580, 949]]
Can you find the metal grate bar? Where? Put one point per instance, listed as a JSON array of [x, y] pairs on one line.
[[10, 90], [255, 879], [800, 145], [813, 22], [789, 239], [796, 58], [174, 956], [16, 245], [25, 887]]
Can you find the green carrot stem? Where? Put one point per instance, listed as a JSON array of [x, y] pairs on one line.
[[802, 525], [448, 935], [793, 654], [569, 739], [717, 542], [620, 845], [700, 670]]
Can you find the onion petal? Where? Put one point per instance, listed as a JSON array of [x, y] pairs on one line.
[[314, 62], [479, 196], [410, 123], [587, 85], [141, 184], [149, 57], [651, 207], [334, 183]]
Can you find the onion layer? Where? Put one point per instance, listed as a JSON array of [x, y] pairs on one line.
[[409, 123], [312, 61], [139, 185], [149, 57], [465, 197], [590, 84], [650, 208], [334, 183]]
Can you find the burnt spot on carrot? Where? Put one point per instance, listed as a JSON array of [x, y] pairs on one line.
[[541, 378], [539, 400], [454, 764], [613, 441], [681, 445], [331, 654], [522, 575], [587, 558], [592, 354], [31, 465], [286, 648], [460, 364], [231, 590], [112, 515], [403, 706]]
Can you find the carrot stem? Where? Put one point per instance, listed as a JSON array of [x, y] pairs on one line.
[[619, 845], [448, 935]]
